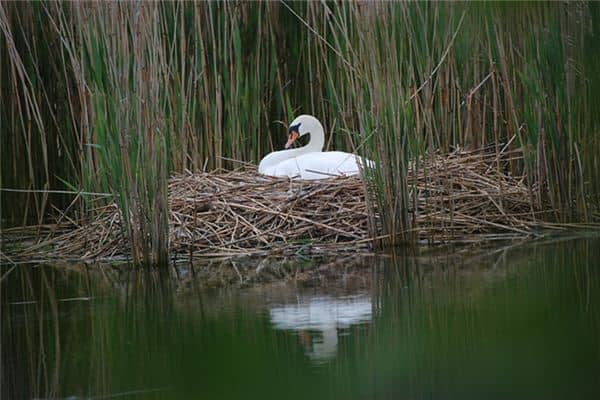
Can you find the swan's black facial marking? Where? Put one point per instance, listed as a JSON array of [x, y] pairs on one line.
[[293, 134], [294, 128]]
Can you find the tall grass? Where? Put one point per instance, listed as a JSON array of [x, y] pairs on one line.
[[434, 76], [114, 97]]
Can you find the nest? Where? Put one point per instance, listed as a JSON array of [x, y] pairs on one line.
[[471, 196], [461, 197]]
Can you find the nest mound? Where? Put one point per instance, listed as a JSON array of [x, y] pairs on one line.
[[460, 197], [240, 211]]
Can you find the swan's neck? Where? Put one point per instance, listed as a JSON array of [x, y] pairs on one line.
[[317, 137], [315, 145]]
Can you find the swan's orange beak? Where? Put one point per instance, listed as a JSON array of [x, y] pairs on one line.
[[291, 139]]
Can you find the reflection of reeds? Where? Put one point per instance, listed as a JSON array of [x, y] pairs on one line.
[[145, 331], [31, 337], [58, 341], [115, 97], [487, 310]]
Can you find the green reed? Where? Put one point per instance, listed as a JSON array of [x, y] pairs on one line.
[[468, 75], [115, 97]]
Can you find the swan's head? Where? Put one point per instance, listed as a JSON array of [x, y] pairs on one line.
[[301, 126]]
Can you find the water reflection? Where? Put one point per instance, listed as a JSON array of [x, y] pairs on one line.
[[318, 319], [520, 322]]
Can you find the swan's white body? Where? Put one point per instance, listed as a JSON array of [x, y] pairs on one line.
[[317, 165], [310, 161]]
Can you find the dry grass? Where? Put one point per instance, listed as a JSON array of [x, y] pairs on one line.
[[460, 197], [471, 196]]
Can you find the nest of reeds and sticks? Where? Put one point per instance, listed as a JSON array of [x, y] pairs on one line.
[[461, 197]]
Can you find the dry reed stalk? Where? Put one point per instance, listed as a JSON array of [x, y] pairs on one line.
[[460, 197]]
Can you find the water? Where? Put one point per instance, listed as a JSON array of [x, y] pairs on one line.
[[518, 322]]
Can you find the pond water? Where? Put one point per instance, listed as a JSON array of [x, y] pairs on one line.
[[507, 322]]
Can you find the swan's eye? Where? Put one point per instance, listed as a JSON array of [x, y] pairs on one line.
[[294, 128]]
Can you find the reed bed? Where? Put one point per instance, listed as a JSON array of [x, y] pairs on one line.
[[466, 196], [116, 97]]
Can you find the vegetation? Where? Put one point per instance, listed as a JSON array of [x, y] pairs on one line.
[[113, 98], [461, 198]]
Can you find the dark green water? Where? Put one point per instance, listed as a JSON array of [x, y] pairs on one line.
[[521, 322]]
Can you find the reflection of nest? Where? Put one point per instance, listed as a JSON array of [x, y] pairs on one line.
[[464, 196], [339, 274]]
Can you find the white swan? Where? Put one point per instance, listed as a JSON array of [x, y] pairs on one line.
[[310, 161]]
